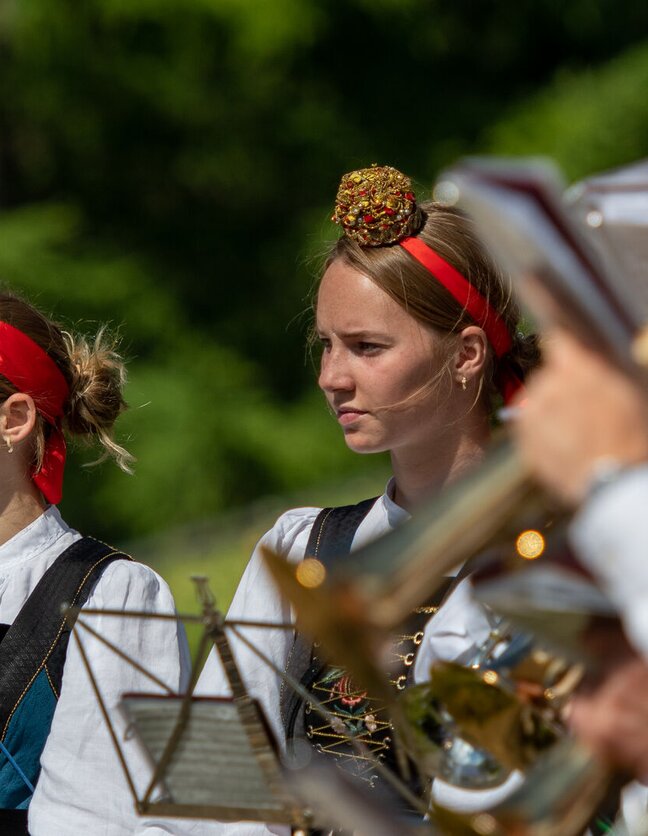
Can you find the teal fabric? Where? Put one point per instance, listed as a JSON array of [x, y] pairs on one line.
[[25, 739]]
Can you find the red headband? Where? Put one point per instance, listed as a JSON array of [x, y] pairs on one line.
[[477, 306], [32, 371]]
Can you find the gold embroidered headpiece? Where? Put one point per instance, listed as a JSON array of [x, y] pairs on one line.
[[376, 206]]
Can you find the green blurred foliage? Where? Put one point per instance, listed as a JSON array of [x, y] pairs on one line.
[[168, 167], [588, 121]]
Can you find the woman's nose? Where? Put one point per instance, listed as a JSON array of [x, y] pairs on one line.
[[334, 373]]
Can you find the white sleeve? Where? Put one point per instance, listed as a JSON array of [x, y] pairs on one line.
[[82, 788], [258, 598], [609, 536], [460, 626]]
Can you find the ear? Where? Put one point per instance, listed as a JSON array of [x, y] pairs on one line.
[[471, 354], [17, 418]]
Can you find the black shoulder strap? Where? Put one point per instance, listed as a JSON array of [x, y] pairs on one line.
[[334, 529], [331, 537], [40, 626]]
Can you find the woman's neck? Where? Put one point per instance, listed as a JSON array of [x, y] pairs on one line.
[[420, 473], [17, 510]]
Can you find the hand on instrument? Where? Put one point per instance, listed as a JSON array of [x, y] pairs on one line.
[[613, 719], [581, 414]]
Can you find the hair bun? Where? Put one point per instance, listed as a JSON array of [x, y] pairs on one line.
[[525, 352], [96, 393], [376, 206]]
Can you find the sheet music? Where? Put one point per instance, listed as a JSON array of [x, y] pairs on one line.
[[613, 208], [214, 764]]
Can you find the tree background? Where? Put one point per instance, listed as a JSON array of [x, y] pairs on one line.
[[169, 167]]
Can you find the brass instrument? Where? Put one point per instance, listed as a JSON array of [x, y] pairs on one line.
[[500, 705], [558, 797], [444, 748], [510, 708], [376, 587]]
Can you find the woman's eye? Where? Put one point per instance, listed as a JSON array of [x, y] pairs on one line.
[[367, 349]]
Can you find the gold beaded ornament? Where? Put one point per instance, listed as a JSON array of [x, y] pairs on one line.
[[376, 206]]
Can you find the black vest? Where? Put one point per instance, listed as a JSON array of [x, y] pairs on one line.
[[356, 713]]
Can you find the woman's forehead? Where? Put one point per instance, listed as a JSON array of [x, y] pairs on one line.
[[352, 301]]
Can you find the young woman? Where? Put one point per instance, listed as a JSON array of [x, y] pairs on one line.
[[419, 342], [56, 758]]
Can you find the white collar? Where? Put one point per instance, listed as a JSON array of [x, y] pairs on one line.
[[395, 514], [34, 539]]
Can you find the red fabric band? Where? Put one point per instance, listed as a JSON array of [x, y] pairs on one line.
[[472, 301], [32, 371]]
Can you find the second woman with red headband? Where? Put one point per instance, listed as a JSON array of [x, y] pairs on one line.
[[59, 773], [420, 342]]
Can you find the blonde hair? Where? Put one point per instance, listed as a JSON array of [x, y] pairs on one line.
[[94, 371]]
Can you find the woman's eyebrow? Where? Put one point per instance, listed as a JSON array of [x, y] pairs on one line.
[[362, 333]]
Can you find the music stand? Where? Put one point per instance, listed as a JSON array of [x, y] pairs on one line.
[[210, 757]]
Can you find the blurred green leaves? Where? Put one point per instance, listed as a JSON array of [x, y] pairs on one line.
[[588, 121]]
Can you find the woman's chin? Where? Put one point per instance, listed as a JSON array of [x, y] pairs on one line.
[[361, 444]]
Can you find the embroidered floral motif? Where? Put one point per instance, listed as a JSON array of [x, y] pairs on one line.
[[346, 691], [356, 714]]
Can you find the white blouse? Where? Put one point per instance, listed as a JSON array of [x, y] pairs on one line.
[[82, 790], [609, 535], [459, 625]]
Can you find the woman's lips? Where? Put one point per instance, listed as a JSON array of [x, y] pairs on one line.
[[348, 416]]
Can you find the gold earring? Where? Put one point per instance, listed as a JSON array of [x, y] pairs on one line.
[[9, 444], [463, 383]]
